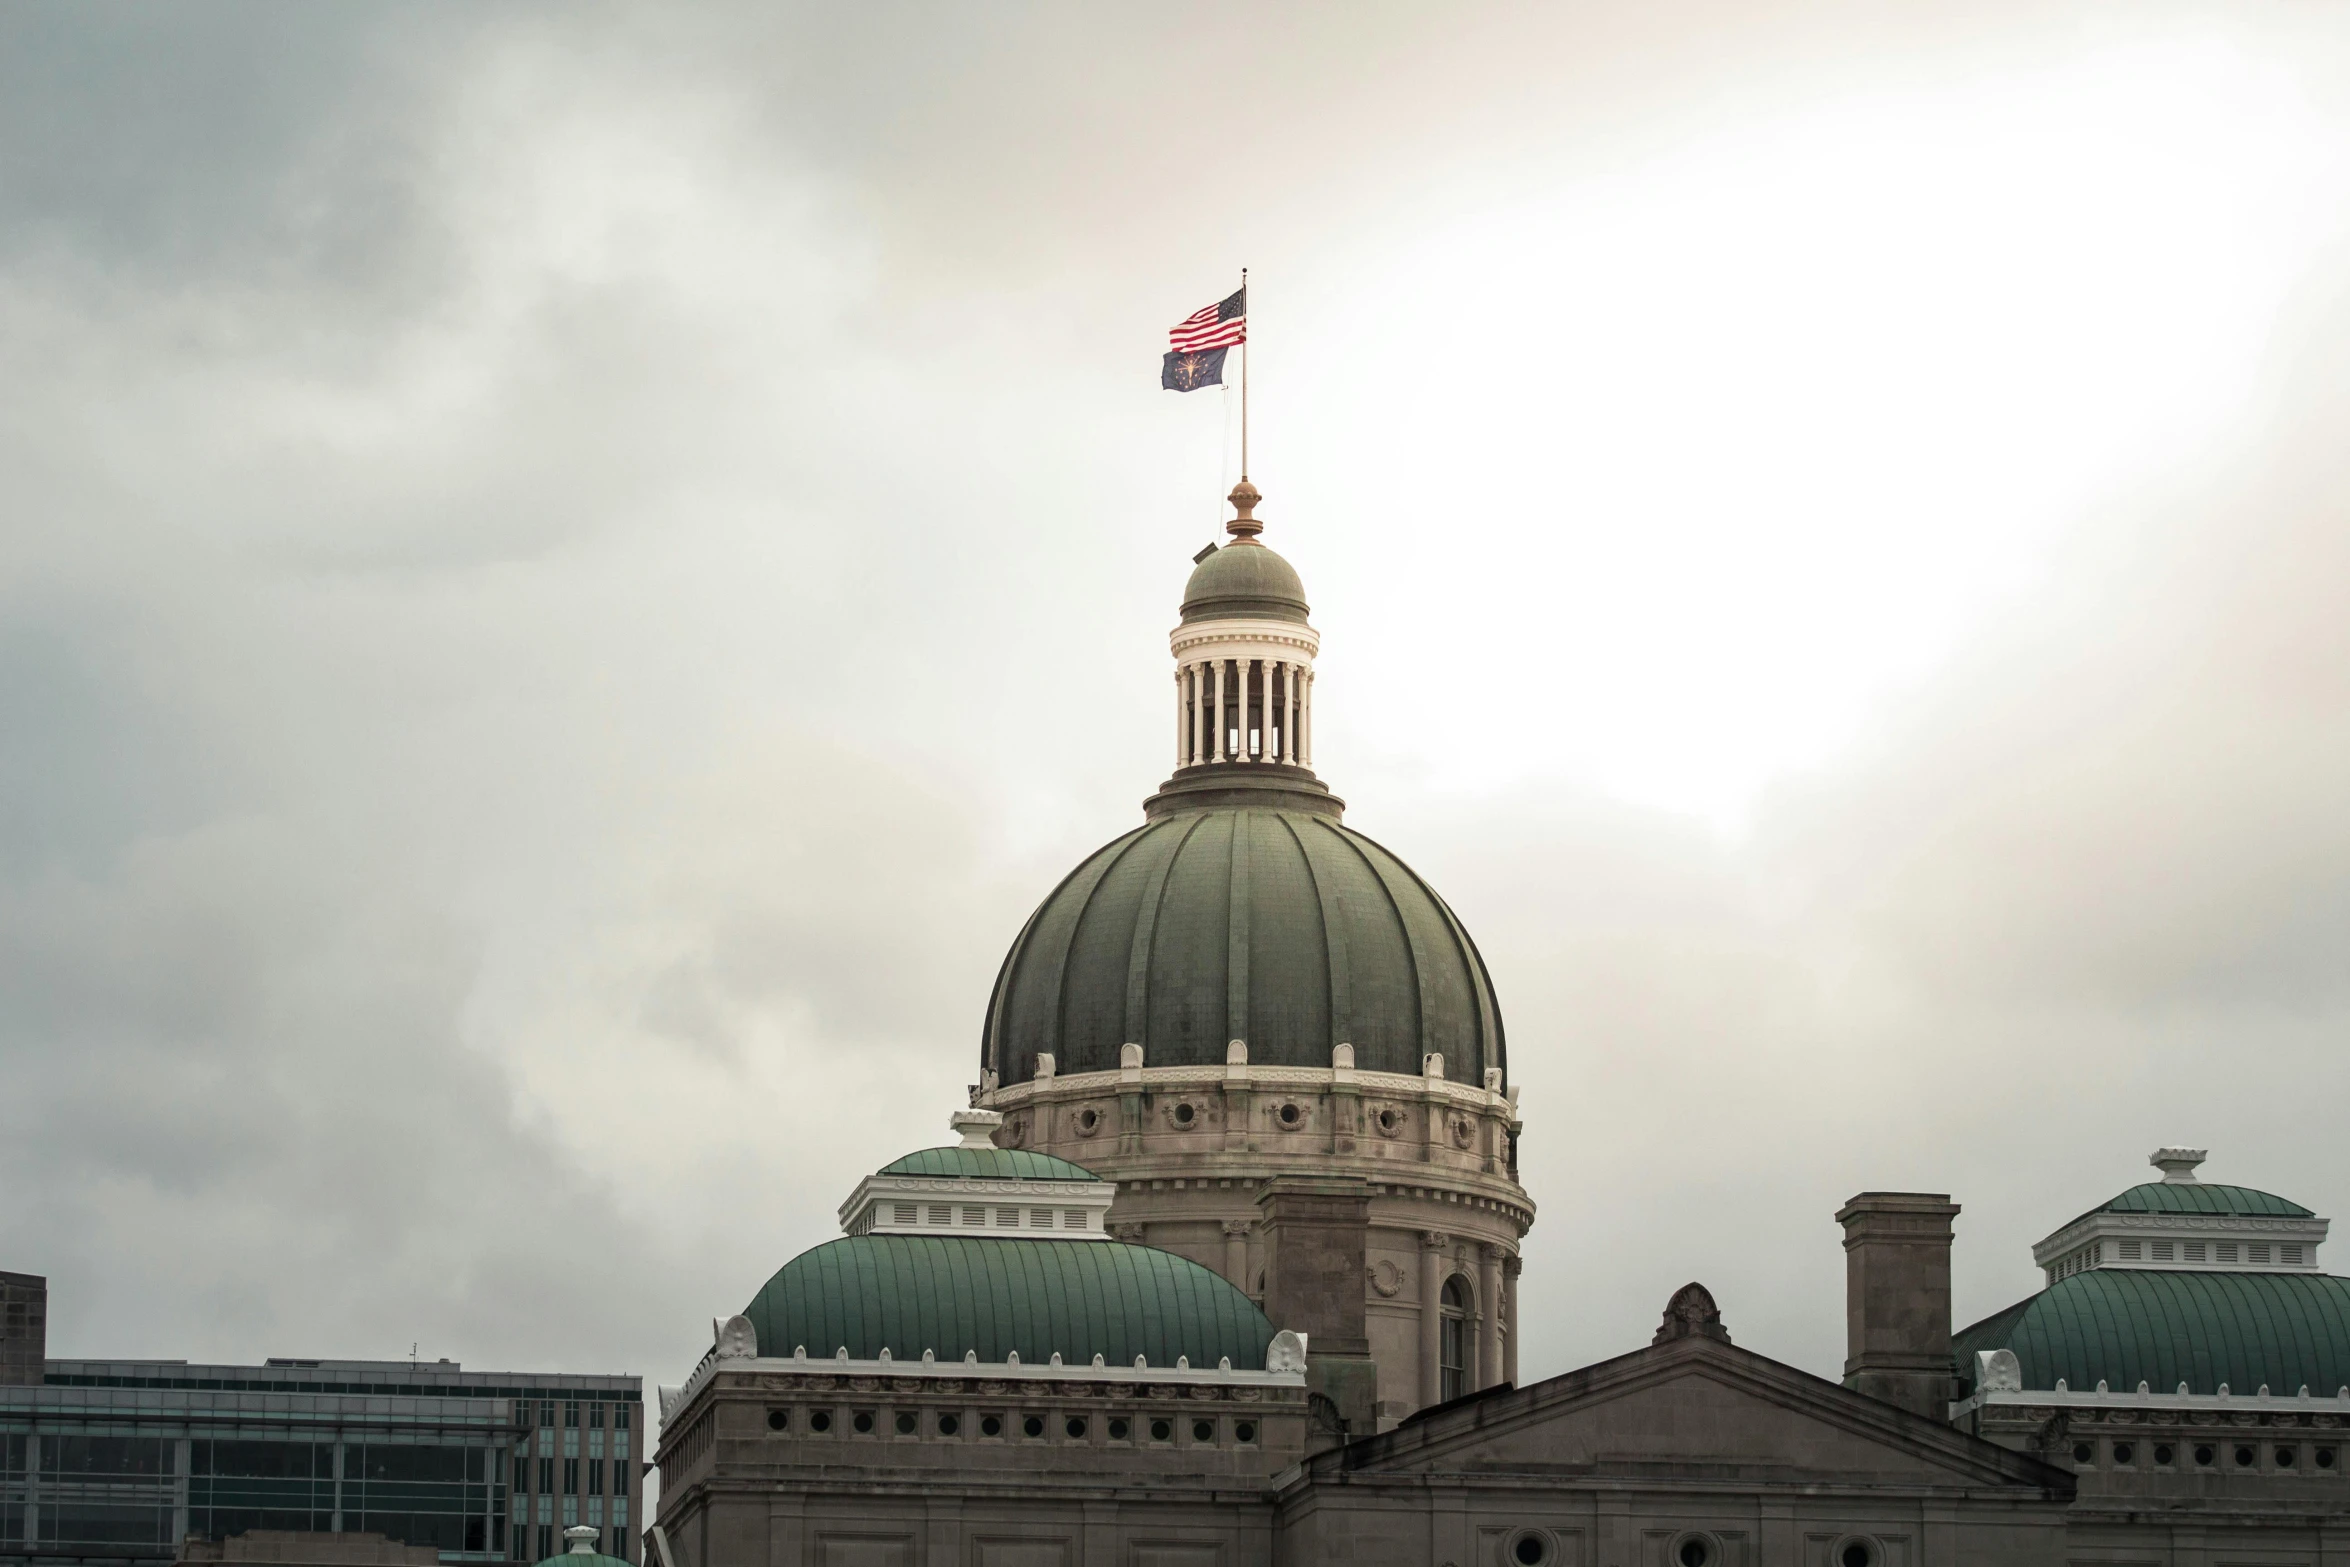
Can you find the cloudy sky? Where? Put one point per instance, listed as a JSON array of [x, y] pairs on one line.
[[570, 573]]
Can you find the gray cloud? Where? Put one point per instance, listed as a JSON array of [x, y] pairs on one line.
[[569, 579]]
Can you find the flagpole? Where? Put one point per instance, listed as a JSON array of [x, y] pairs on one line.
[[1244, 376]]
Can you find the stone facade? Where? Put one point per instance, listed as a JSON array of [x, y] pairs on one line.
[[1191, 1151]]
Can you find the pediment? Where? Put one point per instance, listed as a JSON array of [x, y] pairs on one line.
[[1695, 1408]]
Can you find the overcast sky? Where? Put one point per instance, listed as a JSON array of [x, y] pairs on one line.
[[570, 573]]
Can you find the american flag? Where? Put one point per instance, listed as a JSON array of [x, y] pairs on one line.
[[1220, 325]]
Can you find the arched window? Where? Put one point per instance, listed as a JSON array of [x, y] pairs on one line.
[[1453, 1339]]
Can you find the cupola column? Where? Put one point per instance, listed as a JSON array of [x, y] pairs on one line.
[[1192, 673], [1219, 756], [1305, 720], [1289, 713], [1182, 717]]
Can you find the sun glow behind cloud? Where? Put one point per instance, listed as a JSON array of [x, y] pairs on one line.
[[1768, 422]]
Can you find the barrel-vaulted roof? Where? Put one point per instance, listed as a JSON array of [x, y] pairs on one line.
[[986, 1164], [1279, 928], [2204, 1197], [2124, 1326], [1037, 1298]]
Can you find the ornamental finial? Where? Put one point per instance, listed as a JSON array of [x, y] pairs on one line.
[[1245, 527]]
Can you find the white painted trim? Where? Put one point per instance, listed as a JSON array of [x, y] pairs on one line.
[[1092, 1198], [804, 1364], [2212, 1403], [1394, 1085]]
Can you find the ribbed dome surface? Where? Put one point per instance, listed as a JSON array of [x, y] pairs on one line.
[[2124, 1326], [1244, 581], [1036, 1298], [1278, 927], [2209, 1197]]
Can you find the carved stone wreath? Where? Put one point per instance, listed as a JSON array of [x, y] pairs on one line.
[[1088, 1120], [1386, 1278], [1185, 1116], [1464, 1132], [1388, 1121]]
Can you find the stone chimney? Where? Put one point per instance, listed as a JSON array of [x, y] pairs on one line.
[[1897, 1299], [1317, 1232], [24, 1329]]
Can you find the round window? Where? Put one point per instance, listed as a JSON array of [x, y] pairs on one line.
[[1183, 1115], [2123, 1452], [1033, 1426], [863, 1422], [1203, 1430], [2284, 1458], [1694, 1552], [2083, 1452], [906, 1423], [2324, 1457], [1089, 1121], [1075, 1428], [1530, 1550], [1119, 1430], [948, 1425], [1856, 1553], [779, 1420], [1162, 1430], [2206, 1454], [2244, 1457], [1290, 1115], [1245, 1431], [991, 1425], [1389, 1121], [821, 1420], [2164, 1452]]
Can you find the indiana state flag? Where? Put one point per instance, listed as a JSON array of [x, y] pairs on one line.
[[1185, 372]]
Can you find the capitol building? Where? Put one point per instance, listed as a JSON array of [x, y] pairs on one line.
[[1220, 1268]]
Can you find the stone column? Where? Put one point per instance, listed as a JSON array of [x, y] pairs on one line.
[[1182, 717], [1236, 1253], [1219, 706], [1434, 1246], [1289, 714], [1511, 1267], [1265, 718], [1489, 1315], [1305, 722], [1191, 675], [1240, 727]]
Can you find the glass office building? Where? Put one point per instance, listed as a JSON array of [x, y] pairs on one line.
[[119, 1461]]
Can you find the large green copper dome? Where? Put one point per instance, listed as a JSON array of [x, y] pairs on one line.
[[1279, 927]]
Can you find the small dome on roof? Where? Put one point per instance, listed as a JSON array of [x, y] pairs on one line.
[[1244, 581], [987, 1164], [2202, 1197], [1037, 1298], [2124, 1326]]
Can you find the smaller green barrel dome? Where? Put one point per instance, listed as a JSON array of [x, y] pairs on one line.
[[1244, 581], [2124, 1326], [2202, 1197], [987, 1164], [1035, 1298]]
